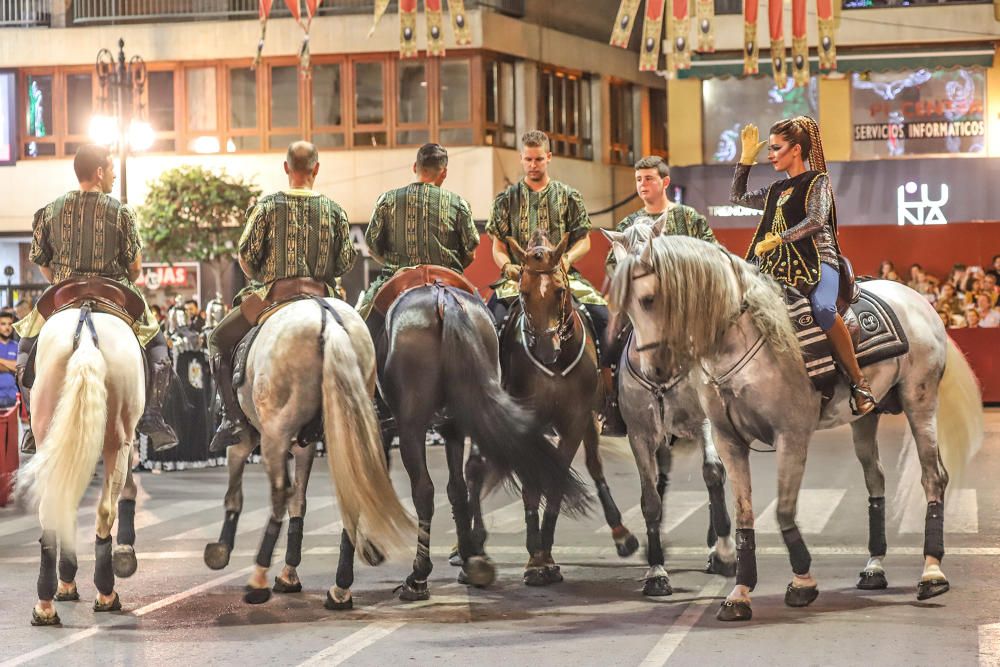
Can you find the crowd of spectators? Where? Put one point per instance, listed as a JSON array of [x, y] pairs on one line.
[[965, 299]]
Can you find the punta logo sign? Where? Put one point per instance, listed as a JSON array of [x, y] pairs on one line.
[[921, 210]]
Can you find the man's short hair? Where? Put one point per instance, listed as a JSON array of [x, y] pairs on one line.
[[302, 157], [89, 158], [8, 314], [191, 301], [432, 158], [654, 162], [536, 139]]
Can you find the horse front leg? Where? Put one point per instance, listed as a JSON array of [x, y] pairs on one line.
[[217, 553], [644, 450], [722, 554], [288, 580], [872, 577], [792, 448], [736, 457], [626, 543]]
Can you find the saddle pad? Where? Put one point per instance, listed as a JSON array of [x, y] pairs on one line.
[[878, 336], [240, 356]]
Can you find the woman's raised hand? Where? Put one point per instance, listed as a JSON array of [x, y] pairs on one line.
[[750, 138]]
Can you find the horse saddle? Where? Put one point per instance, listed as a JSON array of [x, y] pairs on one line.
[[418, 276], [106, 295], [874, 327]]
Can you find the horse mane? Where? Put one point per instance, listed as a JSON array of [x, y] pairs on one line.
[[699, 298]]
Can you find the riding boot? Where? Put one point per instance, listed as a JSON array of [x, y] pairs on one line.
[[230, 431], [152, 424], [24, 355], [613, 424], [862, 399]]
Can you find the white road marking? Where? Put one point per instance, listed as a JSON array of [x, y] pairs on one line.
[[507, 519], [440, 500], [961, 513], [989, 645], [814, 509], [30, 522], [679, 505], [675, 634], [147, 518], [353, 644], [254, 521]]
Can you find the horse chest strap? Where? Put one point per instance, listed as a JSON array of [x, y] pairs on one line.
[[741, 364]]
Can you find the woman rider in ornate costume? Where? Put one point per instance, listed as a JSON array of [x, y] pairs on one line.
[[796, 240]]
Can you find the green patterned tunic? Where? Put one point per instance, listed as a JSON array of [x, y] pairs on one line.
[[419, 224], [680, 221], [86, 234], [558, 209], [295, 234]]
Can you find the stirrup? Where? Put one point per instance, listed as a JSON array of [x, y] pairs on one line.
[[229, 433], [865, 395]]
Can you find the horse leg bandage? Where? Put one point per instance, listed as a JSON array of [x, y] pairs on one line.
[[548, 530], [654, 550], [47, 568], [266, 551], [228, 536], [876, 527], [293, 551], [126, 522], [533, 540], [345, 567], [746, 558], [67, 565], [798, 554], [611, 513], [934, 530], [104, 575]]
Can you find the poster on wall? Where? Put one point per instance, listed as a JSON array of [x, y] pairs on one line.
[[918, 112], [8, 125], [163, 282]]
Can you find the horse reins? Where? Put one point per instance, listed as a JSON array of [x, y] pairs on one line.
[[564, 328]]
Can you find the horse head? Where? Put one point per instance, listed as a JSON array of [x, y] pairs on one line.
[[545, 297]]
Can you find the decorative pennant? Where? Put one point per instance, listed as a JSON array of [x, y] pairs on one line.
[[435, 36], [622, 31], [682, 34], [263, 11], [706, 25], [775, 12], [380, 7], [407, 28], [827, 28], [652, 30], [751, 49], [800, 48], [293, 7], [459, 22]]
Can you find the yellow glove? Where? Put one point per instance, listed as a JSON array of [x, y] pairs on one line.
[[750, 137], [770, 242]]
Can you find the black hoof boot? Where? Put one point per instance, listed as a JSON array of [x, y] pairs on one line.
[[734, 610], [628, 546], [478, 571], [413, 591], [454, 559], [718, 566], [656, 587], [256, 595], [123, 561], [872, 580], [333, 605], [800, 597], [535, 576], [217, 555], [932, 588], [552, 574], [71, 595], [282, 586], [114, 605], [40, 621]]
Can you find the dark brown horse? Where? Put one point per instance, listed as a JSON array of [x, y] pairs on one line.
[[549, 358]]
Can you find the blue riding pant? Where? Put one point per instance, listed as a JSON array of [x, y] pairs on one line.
[[824, 296]]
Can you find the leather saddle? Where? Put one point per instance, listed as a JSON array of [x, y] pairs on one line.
[[256, 309], [418, 276], [108, 296]]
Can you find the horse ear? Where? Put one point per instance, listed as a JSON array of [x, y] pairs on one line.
[[613, 236], [647, 254], [516, 250], [657, 229], [619, 252], [560, 249]]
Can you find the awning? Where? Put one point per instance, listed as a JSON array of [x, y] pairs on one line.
[[855, 60]]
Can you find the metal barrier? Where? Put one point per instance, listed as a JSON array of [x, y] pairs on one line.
[[116, 11], [25, 12], [10, 295]]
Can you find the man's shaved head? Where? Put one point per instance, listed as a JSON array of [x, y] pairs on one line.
[[302, 157]]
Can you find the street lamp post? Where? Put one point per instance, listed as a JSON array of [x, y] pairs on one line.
[[121, 89]]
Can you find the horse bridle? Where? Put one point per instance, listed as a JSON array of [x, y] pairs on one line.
[[656, 344], [564, 328]]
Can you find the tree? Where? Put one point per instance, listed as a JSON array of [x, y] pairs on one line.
[[194, 214]]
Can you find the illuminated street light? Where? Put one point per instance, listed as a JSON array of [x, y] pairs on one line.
[[121, 121]]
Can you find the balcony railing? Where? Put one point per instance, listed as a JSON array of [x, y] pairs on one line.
[[24, 12]]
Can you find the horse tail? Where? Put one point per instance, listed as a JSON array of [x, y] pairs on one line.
[[959, 415], [506, 432], [57, 476], [369, 508]]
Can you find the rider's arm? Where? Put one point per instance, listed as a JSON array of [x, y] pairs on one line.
[[374, 233], [578, 250], [251, 247], [739, 195], [135, 268], [500, 255], [468, 234], [347, 253], [498, 227], [578, 226], [817, 211], [47, 273]]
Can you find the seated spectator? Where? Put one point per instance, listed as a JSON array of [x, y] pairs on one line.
[[948, 299], [973, 286], [995, 263], [23, 307], [8, 360], [885, 268], [957, 277], [893, 276], [990, 286], [972, 318], [989, 317]]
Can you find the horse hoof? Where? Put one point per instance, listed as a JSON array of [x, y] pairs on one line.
[[872, 580], [114, 605], [413, 591], [628, 546], [256, 595], [718, 566], [535, 576], [932, 588], [123, 561], [800, 596], [38, 620], [657, 587], [333, 605], [454, 559], [372, 556], [734, 610], [282, 586], [69, 596], [552, 574], [217, 555], [479, 571]]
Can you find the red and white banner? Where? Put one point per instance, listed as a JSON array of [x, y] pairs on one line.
[[435, 35], [622, 30], [681, 35], [775, 16], [751, 49], [827, 32], [705, 12], [800, 48]]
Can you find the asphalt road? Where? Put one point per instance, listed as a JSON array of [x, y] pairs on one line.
[[177, 612]]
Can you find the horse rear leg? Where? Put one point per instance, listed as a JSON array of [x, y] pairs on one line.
[[477, 569], [722, 554], [866, 449], [274, 451], [217, 553], [412, 449], [123, 557], [339, 597], [625, 542], [288, 581], [475, 472], [117, 461]]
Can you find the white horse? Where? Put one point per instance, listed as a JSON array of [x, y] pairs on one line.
[[701, 308], [87, 398]]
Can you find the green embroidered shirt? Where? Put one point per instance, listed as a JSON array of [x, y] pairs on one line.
[[681, 221]]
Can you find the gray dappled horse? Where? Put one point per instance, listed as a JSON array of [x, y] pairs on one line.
[[656, 414], [698, 307]]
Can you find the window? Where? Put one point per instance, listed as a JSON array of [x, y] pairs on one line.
[[283, 94], [728, 6], [39, 125], [8, 118], [500, 114], [621, 147], [243, 127], [160, 109], [79, 108], [370, 124], [565, 112], [201, 111], [658, 143], [455, 102], [412, 126], [327, 99]]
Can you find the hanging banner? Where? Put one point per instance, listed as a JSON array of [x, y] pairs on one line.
[[622, 31], [751, 49], [312, 6], [407, 28], [263, 11], [827, 26], [800, 48], [293, 7], [775, 10], [706, 25], [435, 36], [682, 34], [652, 30], [380, 7], [459, 22]]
